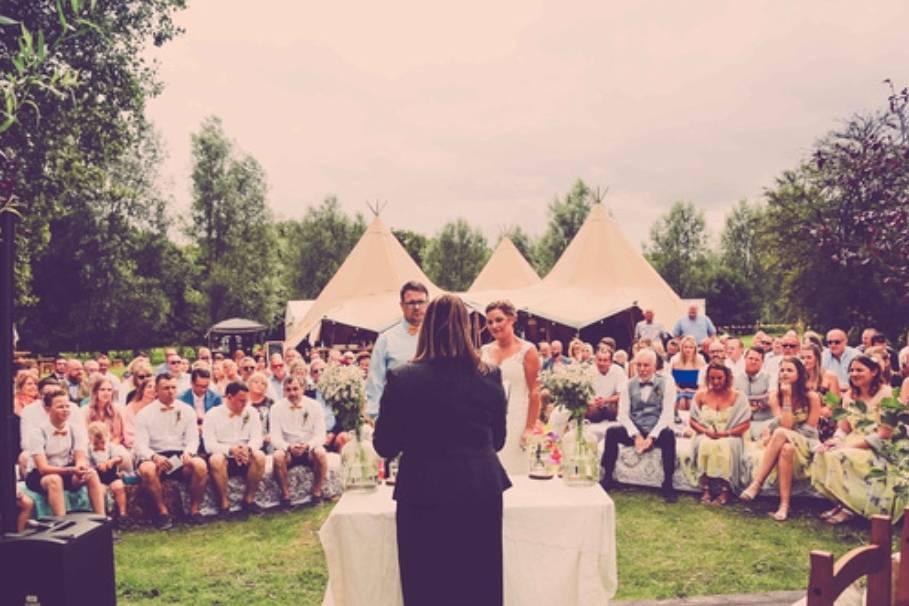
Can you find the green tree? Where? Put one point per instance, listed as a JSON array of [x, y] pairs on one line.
[[455, 255], [236, 240], [741, 257], [566, 215], [413, 242], [678, 247], [315, 246]]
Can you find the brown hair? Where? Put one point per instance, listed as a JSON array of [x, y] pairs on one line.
[[446, 334], [727, 374], [799, 394], [876, 381], [503, 305]]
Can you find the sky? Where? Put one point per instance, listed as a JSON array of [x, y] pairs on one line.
[[488, 110]]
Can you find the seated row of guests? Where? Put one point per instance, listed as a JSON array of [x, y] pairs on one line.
[[731, 436], [170, 443]]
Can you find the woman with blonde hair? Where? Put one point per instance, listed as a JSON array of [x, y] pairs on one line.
[[101, 407], [685, 367], [143, 395]]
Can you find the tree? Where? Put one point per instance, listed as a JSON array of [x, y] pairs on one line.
[[678, 247], [236, 242], [455, 255], [837, 226], [316, 246], [741, 261], [565, 219], [414, 243]]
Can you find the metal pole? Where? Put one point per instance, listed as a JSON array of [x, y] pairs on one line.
[[8, 450]]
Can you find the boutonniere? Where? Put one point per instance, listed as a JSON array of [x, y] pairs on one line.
[[245, 420], [305, 415]]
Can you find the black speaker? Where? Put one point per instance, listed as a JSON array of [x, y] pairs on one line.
[[68, 562]]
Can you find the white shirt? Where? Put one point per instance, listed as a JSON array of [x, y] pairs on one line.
[[60, 450], [304, 424], [652, 331], [611, 383], [34, 415], [222, 429], [666, 416], [158, 430]]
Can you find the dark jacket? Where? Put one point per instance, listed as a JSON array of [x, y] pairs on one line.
[[449, 422]]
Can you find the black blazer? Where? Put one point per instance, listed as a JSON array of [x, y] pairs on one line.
[[448, 421]]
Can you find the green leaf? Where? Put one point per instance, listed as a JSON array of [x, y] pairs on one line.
[[76, 6], [876, 473], [891, 403], [42, 47], [4, 20], [61, 17], [839, 414], [19, 64], [831, 399], [860, 406]]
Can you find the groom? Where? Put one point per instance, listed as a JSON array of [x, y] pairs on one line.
[[396, 345], [646, 410]]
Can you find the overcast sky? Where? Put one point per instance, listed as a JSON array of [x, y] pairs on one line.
[[487, 110]]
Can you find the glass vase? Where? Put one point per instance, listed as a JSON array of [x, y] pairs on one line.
[[542, 452], [580, 464], [359, 462]]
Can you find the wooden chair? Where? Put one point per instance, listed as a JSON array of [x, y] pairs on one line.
[[828, 580]]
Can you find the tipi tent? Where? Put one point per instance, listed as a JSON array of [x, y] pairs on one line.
[[363, 295], [294, 313], [507, 269], [598, 277]]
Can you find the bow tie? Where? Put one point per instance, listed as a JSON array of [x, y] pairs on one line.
[[167, 408], [61, 432], [646, 383], [296, 406]]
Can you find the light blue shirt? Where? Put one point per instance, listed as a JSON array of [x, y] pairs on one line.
[[839, 367], [393, 348], [700, 328], [328, 410], [278, 386]]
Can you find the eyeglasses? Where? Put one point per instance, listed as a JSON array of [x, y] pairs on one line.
[[249, 367], [277, 366], [414, 304], [834, 341], [142, 377], [174, 362], [790, 345]]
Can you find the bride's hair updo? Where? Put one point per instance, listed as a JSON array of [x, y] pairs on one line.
[[446, 334], [503, 305]]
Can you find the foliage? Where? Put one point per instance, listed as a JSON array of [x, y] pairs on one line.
[[455, 255], [678, 247], [731, 299], [237, 259], [314, 247], [413, 242], [571, 386], [837, 227], [343, 389], [566, 216]]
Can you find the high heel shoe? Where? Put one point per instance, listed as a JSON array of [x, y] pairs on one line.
[[750, 493]]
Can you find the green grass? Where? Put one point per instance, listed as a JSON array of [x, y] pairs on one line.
[[663, 550]]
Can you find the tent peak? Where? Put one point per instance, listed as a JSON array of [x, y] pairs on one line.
[[376, 207]]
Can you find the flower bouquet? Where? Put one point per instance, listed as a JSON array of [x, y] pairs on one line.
[[571, 386], [342, 388], [544, 453]]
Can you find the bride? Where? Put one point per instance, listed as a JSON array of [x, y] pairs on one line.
[[519, 364]]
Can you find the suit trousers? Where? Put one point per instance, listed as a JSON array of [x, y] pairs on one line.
[[451, 554], [619, 435]]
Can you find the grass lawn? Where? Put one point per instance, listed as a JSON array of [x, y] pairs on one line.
[[663, 551]]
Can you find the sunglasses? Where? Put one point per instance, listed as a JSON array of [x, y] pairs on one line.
[[834, 341], [249, 368], [790, 345], [142, 377]]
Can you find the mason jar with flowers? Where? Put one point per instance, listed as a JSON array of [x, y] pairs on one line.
[[343, 389], [571, 387]]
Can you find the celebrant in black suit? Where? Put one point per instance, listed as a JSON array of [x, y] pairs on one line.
[[445, 411]]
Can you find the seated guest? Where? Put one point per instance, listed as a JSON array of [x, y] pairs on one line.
[[167, 443], [143, 395], [109, 461], [685, 367], [844, 461], [298, 437], [609, 382], [200, 395], [645, 414], [620, 359], [735, 354], [882, 354], [261, 402], [716, 352], [838, 355], [58, 448], [139, 371], [231, 374], [720, 416], [102, 408], [672, 348], [73, 383], [792, 436], [576, 351], [544, 351], [26, 395], [363, 360], [175, 369], [556, 358], [754, 382], [104, 370], [823, 382], [233, 437], [278, 374]]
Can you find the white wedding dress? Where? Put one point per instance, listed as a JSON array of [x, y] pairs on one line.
[[513, 458]]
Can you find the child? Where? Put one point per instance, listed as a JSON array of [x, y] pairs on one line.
[[108, 458]]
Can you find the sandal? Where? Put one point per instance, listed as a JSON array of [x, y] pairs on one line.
[[723, 498], [706, 498], [843, 516], [750, 493], [831, 512], [781, 514]]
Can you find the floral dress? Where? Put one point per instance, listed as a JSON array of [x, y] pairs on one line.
[[803, 438], [713, 457], [840, 474]]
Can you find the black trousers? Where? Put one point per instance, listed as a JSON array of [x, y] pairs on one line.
[[451, 554], [619, 435]]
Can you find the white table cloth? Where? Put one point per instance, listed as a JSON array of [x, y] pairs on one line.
[[559, 545]]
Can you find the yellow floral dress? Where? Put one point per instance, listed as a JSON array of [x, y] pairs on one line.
[[714, 456], [840, 474], [803, 438]]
